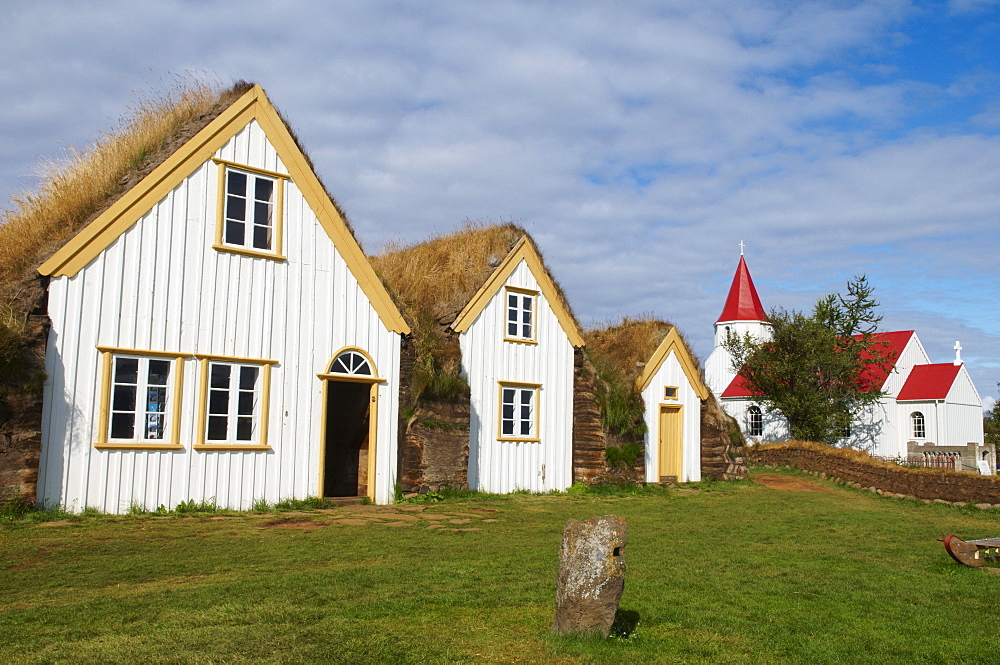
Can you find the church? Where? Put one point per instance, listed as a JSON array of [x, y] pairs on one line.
[[929, 409]]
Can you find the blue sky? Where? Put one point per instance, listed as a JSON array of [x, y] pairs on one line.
[[639, 142]]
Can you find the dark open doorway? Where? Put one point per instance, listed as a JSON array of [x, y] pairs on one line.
[[348, 413]]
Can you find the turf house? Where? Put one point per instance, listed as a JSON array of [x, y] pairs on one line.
[[217, 334], [929, 408], [656, 403], [489, 403]]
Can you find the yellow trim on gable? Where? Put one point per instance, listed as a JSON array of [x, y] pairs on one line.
[[672, 342], [196, 152], [525, 251]]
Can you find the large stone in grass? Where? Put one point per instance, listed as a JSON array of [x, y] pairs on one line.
[[591, 575]]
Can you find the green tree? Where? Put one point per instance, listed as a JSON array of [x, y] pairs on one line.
[[815, 370], [991, 422]]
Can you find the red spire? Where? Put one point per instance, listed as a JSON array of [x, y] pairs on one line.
[[742, 304]]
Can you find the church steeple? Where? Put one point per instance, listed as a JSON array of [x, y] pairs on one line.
[[742, 304], [743, 314]]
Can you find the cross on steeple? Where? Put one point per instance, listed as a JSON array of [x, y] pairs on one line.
[[958, 353], [741, 247]]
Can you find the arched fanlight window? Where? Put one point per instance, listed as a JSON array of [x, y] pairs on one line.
[[756, 421], [351, 362], [917, 419]]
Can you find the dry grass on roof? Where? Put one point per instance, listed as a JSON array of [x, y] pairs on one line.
[[629, 342], [73, 190], [440, 275]]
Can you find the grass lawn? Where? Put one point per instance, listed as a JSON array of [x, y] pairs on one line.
[[725, 572]]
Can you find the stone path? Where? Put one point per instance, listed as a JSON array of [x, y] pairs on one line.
[[425, 517]]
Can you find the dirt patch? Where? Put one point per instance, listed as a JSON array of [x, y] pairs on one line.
[[303, 523], [775, 482]]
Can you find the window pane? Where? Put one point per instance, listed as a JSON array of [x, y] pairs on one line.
[[218, 401], [511, 301], [263, 189], [262, 237], [235, 233], [159, 370], [156, 400], [248, 377], [236, 208], [526, 304], [245, 406], [526, 396], [262, 213], [508, 411], [244, 429], [122, 425], [237, 182], [512, 329], [508, 427], [526, 412], [525, 428], [124, 398], [154, 426], [216, 428], [126, 370], [220, 376]]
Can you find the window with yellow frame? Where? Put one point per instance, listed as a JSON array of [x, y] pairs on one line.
[[233, 403], [250, 211], [141, 395]]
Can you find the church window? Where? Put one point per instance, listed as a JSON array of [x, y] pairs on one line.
[[755, 421], [917, 419]]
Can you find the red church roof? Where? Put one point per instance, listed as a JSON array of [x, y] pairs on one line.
[[929, 382], [891, 345], [742, 304]]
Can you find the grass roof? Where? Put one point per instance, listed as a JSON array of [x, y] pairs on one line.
[[629, 343], [442, 274]]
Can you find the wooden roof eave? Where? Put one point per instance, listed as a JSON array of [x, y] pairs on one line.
[[523, 250]]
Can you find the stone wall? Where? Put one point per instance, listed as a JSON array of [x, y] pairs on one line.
[[589, 436], [723, 448], [927, 484], [21, 392]]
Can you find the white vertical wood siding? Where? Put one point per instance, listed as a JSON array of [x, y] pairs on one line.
[[672, 374], [161, 287], [505, 466]]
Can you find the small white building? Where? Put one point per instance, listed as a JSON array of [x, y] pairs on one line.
[[219, 336], [926, 405], [672, 391], [518, 339]]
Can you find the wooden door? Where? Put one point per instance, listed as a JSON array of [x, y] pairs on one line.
[[671, 446]]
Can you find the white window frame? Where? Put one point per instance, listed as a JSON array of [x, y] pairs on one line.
[[209, 413], [918, 425], [112, 410], [755, 421], [274, 212], [521, 315], [523, 398]]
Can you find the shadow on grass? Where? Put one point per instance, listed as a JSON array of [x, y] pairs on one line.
[[626, 621]]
